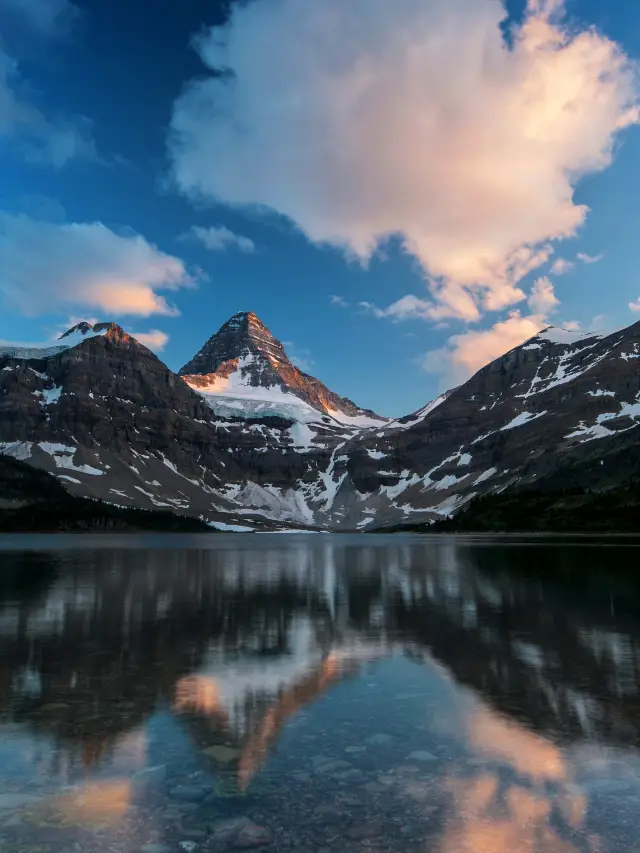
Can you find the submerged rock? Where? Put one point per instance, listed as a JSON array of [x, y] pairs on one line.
[[251, 836], [221, 753], [379, 739], [188, 793], [241, 833], [422, 755], [148, 784], [332, 768], [224, 830]]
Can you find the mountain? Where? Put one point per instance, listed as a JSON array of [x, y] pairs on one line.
[[563, 408], [244, 440], [111, 421], [243, 370]]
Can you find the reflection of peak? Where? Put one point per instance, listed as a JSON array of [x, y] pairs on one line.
[[252, 698]]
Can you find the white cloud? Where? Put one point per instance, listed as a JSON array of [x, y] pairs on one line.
[[589, 259], [50, 266], [542, 299], [368, 119], [635, 306], [340, 301], [45, 17], [219, 239], [41, 139], [155, 339], [561, 266]]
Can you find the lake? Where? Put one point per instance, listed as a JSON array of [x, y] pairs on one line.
[[319, 694]]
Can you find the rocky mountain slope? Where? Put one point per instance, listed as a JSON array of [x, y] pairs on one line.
[[246, 441], [558, 406], [111, 421], [31, 500]]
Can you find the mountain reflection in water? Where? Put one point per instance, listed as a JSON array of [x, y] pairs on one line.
[[337, 693]]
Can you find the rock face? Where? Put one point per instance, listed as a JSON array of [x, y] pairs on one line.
[[244, 362], [245, 440]]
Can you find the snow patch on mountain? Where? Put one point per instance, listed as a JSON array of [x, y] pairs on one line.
[[356, 421], [49, 396], [235, 396], [557, 335], [63, 457], [376, 454], [522, 419], [21, 450], [75, 336], [420, 415], [486, 475], [598, 428], [302, 436]]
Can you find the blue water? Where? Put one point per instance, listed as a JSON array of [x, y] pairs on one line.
[[319, 693]]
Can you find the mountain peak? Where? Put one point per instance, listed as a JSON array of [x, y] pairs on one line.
[[242, 335], [89, 330], [244, 360]]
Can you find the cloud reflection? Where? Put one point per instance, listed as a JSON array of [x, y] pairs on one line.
[[523, 800]]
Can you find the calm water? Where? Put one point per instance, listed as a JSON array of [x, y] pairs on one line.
[[318, 693]]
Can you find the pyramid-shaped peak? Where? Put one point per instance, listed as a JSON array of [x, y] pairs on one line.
[[243, 335], [244, 360], [243, 321]]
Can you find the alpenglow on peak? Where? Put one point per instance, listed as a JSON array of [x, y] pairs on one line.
[[243, 359], [243, 334]]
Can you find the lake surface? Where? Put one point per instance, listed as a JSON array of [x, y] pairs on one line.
[[319, 694]]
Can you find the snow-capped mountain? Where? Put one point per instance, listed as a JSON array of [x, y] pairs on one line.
[[246, 440], [549, 411], [110, 420], [243, 371]]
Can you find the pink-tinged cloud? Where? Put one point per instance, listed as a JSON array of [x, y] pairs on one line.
[[561, 266], [590, 259], [155, 339], [635, 306], [466, 353], [48, 267], [365, 119], [542, 299]]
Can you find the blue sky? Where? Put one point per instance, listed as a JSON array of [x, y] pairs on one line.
[[110, 157]]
